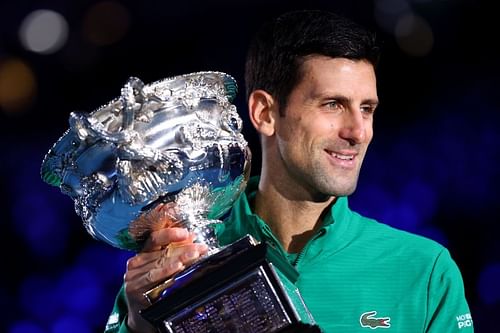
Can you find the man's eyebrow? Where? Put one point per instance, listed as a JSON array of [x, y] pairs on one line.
[[371, 101], [344, 99]]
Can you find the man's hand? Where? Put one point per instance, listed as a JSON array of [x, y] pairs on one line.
[[166, 252]]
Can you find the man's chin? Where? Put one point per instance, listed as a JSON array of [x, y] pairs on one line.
[[342, 191]]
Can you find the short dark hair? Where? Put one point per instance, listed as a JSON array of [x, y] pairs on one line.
[[280, 47]]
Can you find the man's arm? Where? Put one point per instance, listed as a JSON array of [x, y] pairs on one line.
[[447, 308], [117, 320]]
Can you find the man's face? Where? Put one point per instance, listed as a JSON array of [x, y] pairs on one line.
[[327, 125]]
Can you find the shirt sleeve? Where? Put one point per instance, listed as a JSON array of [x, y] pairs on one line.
[[117, 320], [447, 308]]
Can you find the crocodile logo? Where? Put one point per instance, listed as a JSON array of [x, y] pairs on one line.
[[368, 319]]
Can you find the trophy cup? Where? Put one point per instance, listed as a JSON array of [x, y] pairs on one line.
[[177, 142]]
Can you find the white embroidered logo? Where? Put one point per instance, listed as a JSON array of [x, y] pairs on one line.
[[464, 320], [113, 320]]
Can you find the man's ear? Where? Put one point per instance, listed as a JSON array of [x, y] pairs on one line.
[[262, 109]]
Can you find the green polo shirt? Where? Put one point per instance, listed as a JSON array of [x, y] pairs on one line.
[[358, 275]]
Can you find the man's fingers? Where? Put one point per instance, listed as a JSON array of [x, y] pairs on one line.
[[164, 237], [149, 268], [166, 266], [174, 251], [160, 274], [142, 259], [137, 284], [187, 252], [153, 273]]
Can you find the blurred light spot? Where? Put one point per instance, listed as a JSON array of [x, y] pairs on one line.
[[39, 214], [37, 298], [45, 232], [489, 288], [17, 85], [414, 35], [106, 23], [70, 324], [25, 326], [86, 297], [387, 12], [371, 200], [422, 196], [106, 261], [107, 264], [43, 31], [402, 216]]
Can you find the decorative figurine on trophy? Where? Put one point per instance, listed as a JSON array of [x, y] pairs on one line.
[[177, 143]]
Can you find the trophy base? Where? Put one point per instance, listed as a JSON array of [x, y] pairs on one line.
[[233, 290]]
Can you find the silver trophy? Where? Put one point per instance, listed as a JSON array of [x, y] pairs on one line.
[[175, 143]]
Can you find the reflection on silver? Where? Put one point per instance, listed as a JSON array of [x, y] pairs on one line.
[[176, 141]]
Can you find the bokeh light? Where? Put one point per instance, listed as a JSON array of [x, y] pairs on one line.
[[47, 223], [418, 191], [110, 264], [79, 290], [414, 35], [387, 13], [489, 284], [26, 326], [106, 23], [38, 215], [17, 85], [43, 31], [71, 323], [38, 299]]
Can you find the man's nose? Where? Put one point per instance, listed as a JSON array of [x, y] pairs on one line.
[[353, 127]]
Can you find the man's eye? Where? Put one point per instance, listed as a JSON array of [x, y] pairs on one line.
[[369, 109], [333, 105]]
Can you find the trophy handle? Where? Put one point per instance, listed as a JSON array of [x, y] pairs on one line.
[[204, 232]]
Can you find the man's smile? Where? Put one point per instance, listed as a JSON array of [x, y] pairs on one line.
[[346, 159]]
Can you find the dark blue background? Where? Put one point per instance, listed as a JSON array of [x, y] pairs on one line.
[[432, 168]]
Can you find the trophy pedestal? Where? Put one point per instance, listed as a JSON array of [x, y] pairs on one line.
[[233, 290]]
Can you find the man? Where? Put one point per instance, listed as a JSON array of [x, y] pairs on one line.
[[312, 94]]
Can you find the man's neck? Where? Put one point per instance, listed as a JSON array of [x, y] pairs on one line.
[[293, 222]]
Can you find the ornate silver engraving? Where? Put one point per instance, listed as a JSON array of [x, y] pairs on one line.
[[175, 141]]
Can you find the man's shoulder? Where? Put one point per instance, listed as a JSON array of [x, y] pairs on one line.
[[393, 237]]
